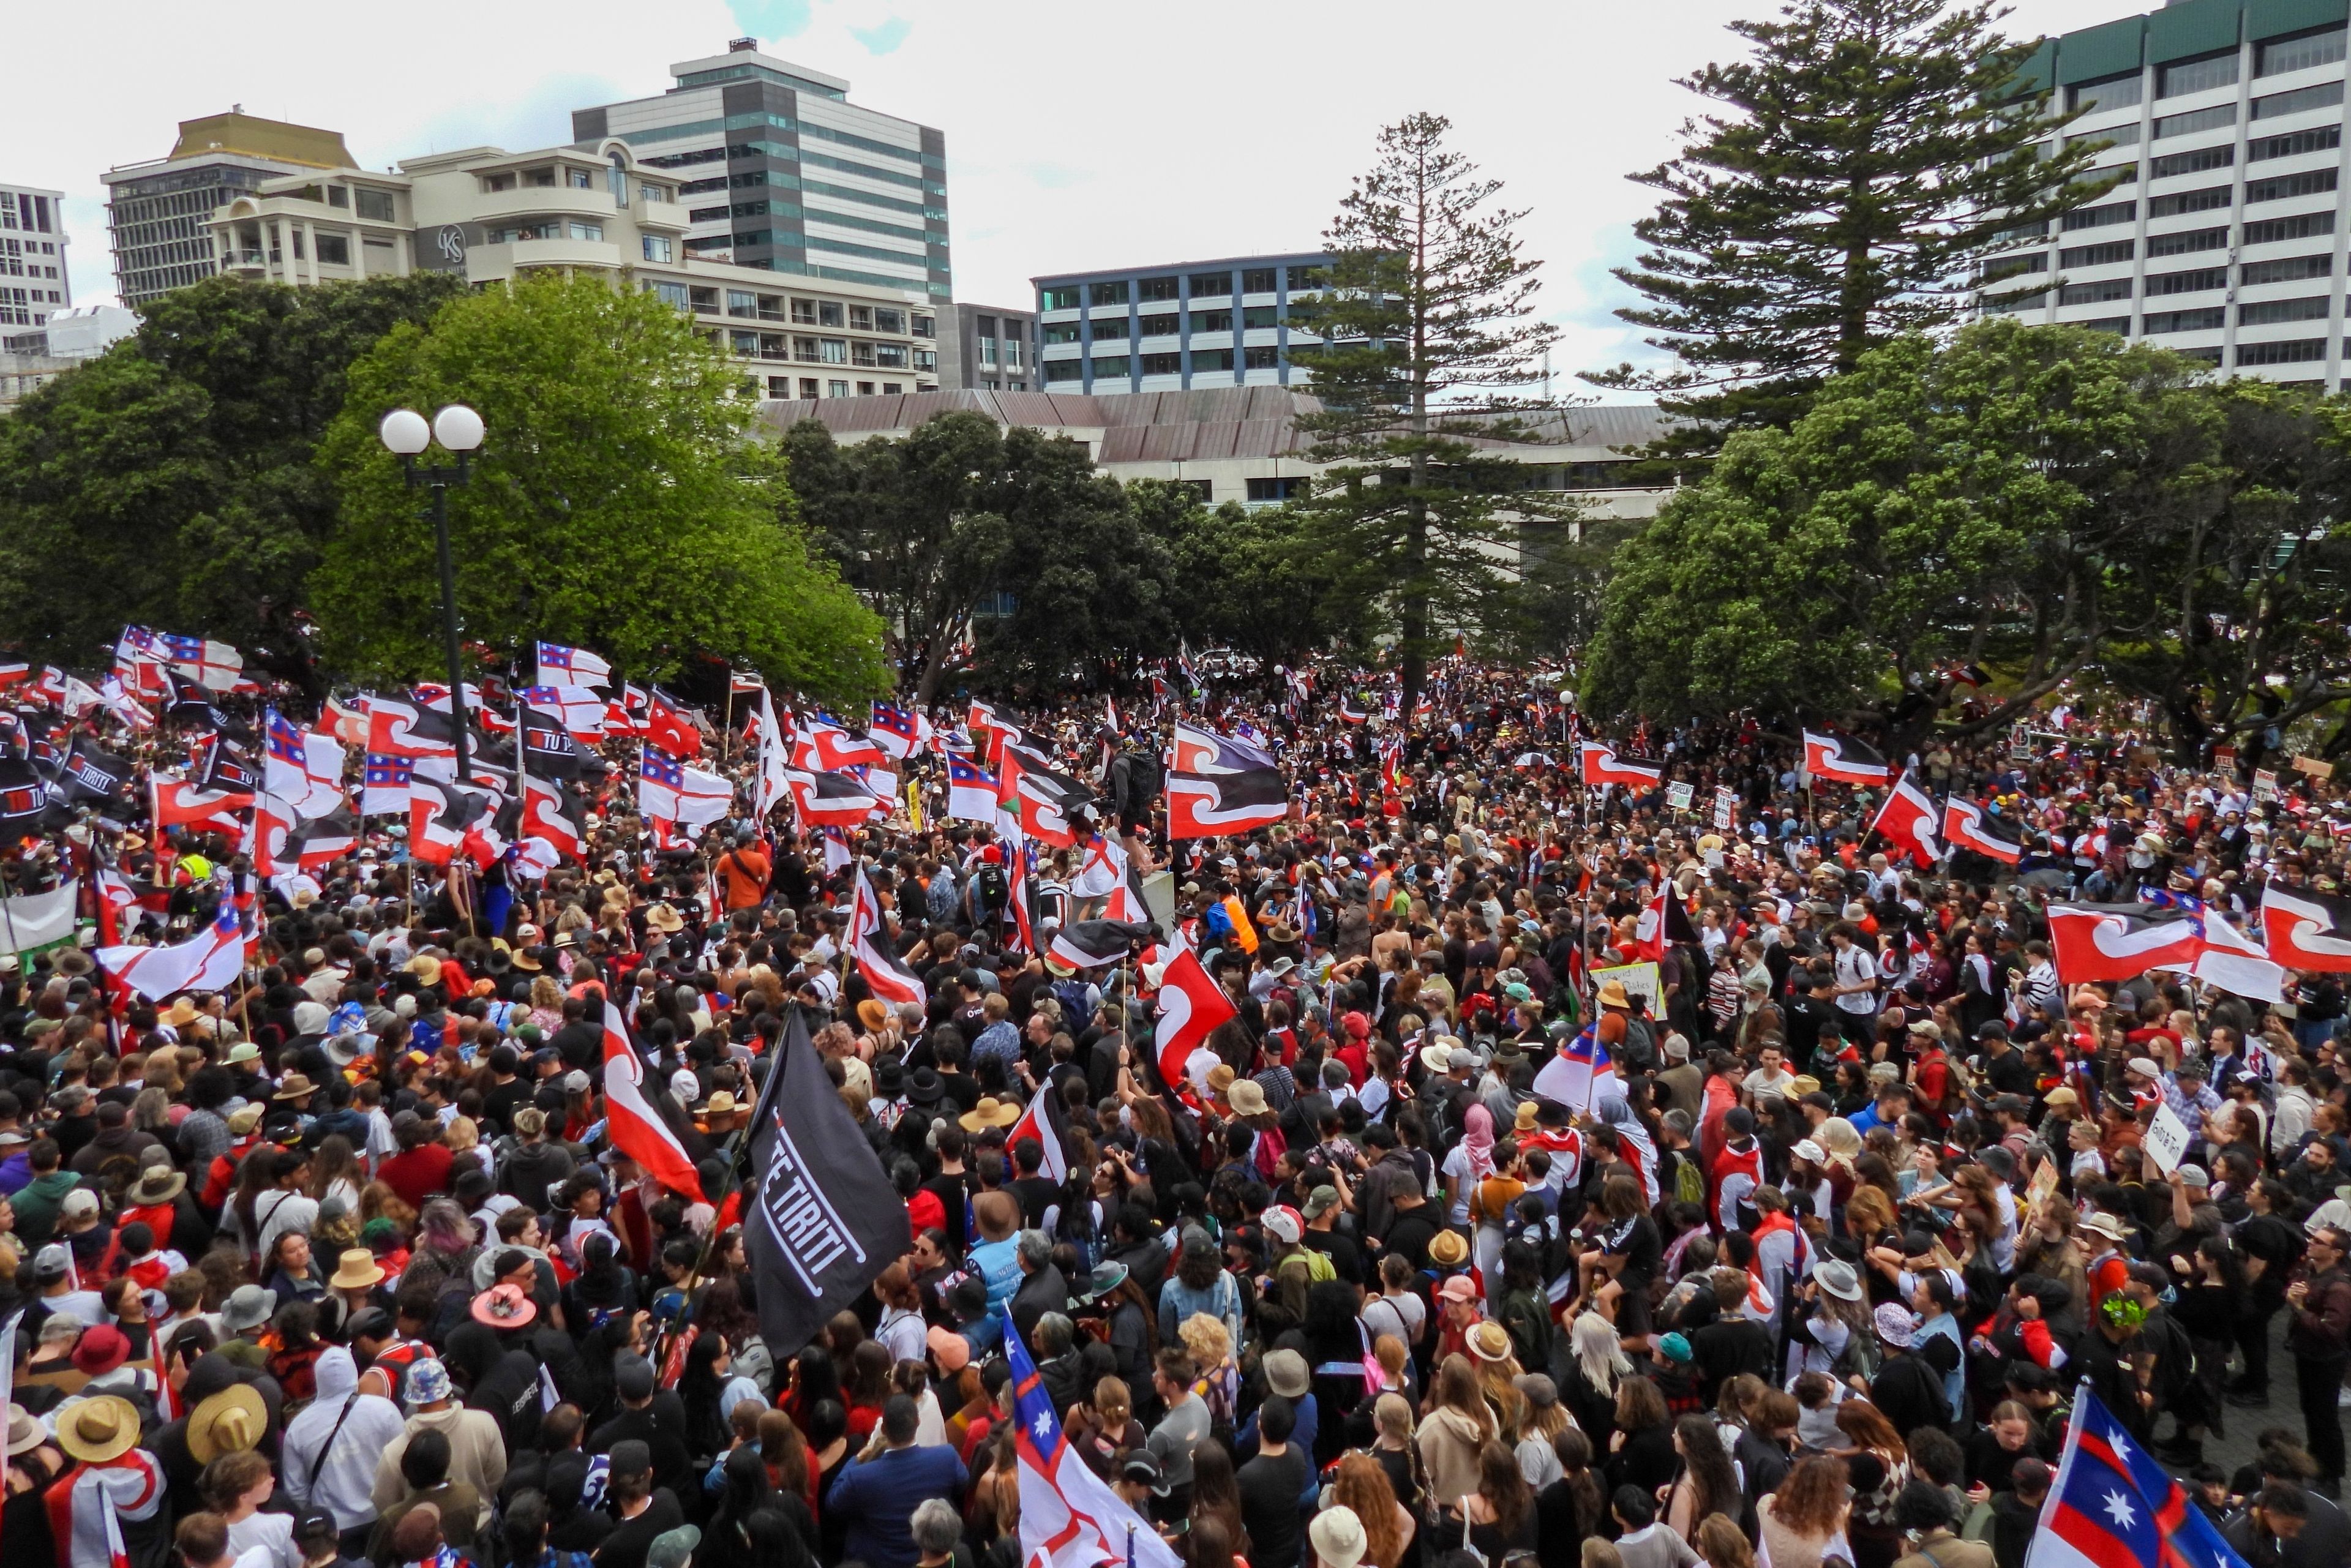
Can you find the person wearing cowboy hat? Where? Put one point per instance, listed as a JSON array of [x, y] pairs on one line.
[[2108, 1268], [101, 1436]]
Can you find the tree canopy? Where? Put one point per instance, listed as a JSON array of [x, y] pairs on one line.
[[618, 501], [170, 481], [1868, 160]]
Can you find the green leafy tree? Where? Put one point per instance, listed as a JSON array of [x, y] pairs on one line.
[[170, 481], [1425, 337], [2228, 606], [1250, 580], [618, 503], [1939, 506], [1867, 158]]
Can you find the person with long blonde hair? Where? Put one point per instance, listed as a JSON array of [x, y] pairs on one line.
[[1455, 1426], [1601, 1364], [1361, 1483]]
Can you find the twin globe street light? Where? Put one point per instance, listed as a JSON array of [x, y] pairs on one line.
[[406, 436]]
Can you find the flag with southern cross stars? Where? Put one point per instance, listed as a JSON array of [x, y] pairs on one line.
[[2113, 1506]]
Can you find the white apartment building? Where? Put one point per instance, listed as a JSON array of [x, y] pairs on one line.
[[490, 215], [159, 214], [2224, 239], [33, 281], [778, 171]]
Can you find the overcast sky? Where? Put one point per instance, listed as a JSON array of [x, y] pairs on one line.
[[1079, 135]]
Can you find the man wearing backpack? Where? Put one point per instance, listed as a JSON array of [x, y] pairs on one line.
[[1293, 1268], [989, 889]]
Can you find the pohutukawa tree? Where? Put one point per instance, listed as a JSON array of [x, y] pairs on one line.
[[1866, 167], [1427, 338]]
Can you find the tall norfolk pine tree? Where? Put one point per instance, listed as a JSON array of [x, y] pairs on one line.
[[1425, 338], [1868, 158]]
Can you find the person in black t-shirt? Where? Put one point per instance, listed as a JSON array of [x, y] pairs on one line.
[[1270, 1486]]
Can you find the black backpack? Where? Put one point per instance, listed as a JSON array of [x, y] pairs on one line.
[[994, 892]]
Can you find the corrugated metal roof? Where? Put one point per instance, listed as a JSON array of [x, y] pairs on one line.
[[1204, 423]]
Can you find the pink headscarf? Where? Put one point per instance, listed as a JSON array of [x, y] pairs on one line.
[[1478, 1142]]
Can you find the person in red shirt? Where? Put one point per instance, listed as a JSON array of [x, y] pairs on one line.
[[421, 1169]]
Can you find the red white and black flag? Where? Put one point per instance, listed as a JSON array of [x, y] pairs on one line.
[[1096, 944], [1210, 805], [1844, 760], [885, 974], [550, 814], [832, 799], [1602, 766], [2306, 930], [2096, 942], [1968, 826], [1050, 802], [1907, 820]]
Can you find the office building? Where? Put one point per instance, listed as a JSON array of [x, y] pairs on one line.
[[778, 171], [78, 333], [33, 281], [1242, 443], [1169, 328], [491, 216], [2224, 239], [159, 214], [987, 347]]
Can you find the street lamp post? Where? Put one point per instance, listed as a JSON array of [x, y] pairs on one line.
[[458, 429]]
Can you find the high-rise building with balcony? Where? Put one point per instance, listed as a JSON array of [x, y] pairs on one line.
[[778, 171], [159, 214]]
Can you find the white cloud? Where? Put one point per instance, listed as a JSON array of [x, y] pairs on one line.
[[1078, 135]]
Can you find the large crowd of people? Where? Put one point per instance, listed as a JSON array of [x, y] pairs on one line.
[[339, 1265]]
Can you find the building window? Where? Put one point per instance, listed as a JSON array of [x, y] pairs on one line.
[[2284, 185], [833, 352], [2286, 269], [2299, 53], [2212, 198], [2304, 226], [2115, 92], [2188, 242], [1110, 293], [1163, 364], [890, 356], [806, 348], [1062, 331], [2196, 76], [808, 386], [745, 343], [987, 352], [2204, 318], [742, 302], [836, 389], [2266, 311], [2300, 351], [1059, 299], [1265, 358], [889, 388], [1155, 288], [926, 326], [865, 389], [585, 231], [654, 192], [828, 313], [2194, 163], [374, 205], [779, 386], [2098, 293], [926, 361], [1114, 368], [669, 294], [2325, 95], [1114, 327], [1157, 327], [1011, 353], [860, 317], [1257, 280], [1212, 285], [1276, 489], [1207, 360], [1257, 316], [1212, 320], [2100, 217], [2325, 138], [658, 247], [2196, 120], [861, 352], [617, 181], [804, 312], [888, 321], [1064, 370], [1303, 277], [335, 250], [2202, 280]]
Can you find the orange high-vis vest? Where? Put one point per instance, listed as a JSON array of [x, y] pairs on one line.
[[1243, 932]]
